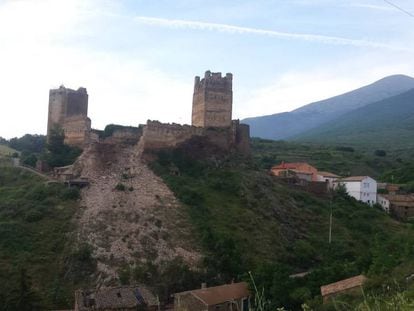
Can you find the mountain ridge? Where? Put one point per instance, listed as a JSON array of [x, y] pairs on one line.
[[286, 125], [382, 124]]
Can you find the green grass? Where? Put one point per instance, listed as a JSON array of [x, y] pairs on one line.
[[248, 221], [395, 166], [37, 247], [7, 151]]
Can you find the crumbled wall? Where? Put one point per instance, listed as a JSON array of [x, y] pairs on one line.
[[158, 136]]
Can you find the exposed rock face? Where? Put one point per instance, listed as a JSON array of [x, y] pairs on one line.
[[138, 220]]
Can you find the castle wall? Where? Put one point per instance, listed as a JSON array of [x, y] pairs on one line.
[[127, 135], [158, 136], [77, 130], [212, 100]]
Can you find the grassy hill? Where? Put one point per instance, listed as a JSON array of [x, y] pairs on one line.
[[6, 150], [248, 221], [386, 124], [290, 124], [39, 263], [245, 221]]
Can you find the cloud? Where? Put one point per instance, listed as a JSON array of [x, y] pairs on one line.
[[294, 89], [231, 29], [372, 6], [40, 49]]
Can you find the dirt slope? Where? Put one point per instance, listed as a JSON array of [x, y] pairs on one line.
[[142, 222]]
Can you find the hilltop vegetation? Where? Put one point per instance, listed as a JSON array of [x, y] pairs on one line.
[[38, 256], [384, 124], [245, 220], [248, 221]]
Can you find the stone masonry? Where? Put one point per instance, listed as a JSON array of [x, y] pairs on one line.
[[211, 118], [212, 100], [68, 109]]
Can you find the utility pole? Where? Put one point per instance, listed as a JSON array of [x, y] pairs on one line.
[[330, 221]]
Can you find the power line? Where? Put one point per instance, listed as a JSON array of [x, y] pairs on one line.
[[399, 8]]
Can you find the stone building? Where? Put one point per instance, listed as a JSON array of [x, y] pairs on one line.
[[68, 109], [400, 206], [228, 297], [212, 100], [122, 298]]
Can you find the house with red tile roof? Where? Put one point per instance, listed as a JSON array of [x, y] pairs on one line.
[[228, 297], [301, 170], [353, 284]]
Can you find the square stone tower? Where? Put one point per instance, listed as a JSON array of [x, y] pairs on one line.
[[212, 100], [69, 109]]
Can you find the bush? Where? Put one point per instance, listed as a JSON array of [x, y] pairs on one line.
[[380, 153], [346, 149], [72, 193], [120, 187]]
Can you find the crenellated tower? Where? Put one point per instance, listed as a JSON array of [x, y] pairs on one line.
[[212, 100], [68, 109]]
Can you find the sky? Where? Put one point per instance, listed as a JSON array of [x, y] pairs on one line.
[[138, 58]]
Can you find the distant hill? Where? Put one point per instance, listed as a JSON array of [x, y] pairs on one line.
[[386, 123], [290, 124]]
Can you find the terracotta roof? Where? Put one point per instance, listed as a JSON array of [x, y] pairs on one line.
[[219, 294], [400, 199], [291, 165], [328, 174], [114, 298], [354, 178], [343, 285]]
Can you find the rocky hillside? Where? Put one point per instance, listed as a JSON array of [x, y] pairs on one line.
[[128, 215]]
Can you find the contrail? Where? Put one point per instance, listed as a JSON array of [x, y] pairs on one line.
[[231, 29]]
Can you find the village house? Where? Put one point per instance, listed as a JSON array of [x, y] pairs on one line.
[[228, 297], [399, 205], [301, 170], [389, 188], [351, 285], [362, 188], [123, 298], [328, 177]]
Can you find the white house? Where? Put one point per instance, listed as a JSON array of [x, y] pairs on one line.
[[362, 188], [384, 202]]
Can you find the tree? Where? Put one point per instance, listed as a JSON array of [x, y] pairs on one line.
[[59, 154], [23, 298], [380, 153]]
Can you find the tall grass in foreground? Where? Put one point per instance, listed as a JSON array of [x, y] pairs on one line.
[[399, 301]]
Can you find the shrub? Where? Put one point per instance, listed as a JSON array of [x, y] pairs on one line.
[[72, 193], [346, 149], [380, 153], [120, 187]]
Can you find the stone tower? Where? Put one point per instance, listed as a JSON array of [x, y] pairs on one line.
[[212, 100], [68, 109]]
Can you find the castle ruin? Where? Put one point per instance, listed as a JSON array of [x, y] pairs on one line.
[[211, 118], [212, 100], [68, 109]]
